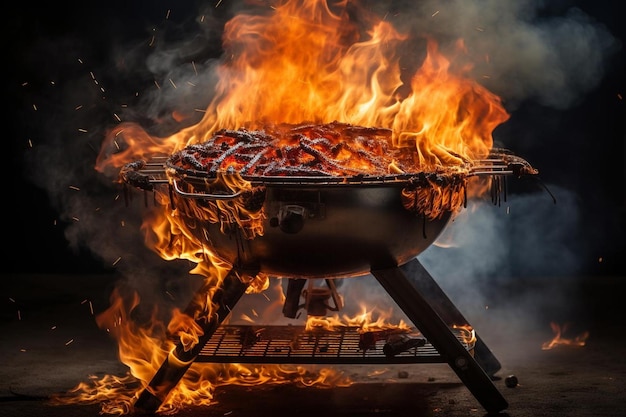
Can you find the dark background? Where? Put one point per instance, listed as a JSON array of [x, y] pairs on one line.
[[69, 69], [581, 149]]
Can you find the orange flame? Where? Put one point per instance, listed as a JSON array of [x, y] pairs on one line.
[[467, 333], [559, 338], [307, 62], [298, 61], [365, 321]]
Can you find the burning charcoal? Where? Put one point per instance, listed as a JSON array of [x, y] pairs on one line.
[[397, 344], [253, 161], [333, 149], [230, 151], [188, 158]]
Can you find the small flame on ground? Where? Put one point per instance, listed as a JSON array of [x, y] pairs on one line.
[[560, 339]]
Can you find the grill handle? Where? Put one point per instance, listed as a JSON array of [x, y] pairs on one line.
[[204, 195]]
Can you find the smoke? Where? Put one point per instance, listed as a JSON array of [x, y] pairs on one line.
[[527, 240], [547, 51], [522, 256]]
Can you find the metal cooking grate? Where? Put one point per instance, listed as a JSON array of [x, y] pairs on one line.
[[292, 344]]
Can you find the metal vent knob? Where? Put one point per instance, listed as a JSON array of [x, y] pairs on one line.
[[291, 219]]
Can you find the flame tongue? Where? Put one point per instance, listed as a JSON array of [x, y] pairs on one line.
[[305, 62]]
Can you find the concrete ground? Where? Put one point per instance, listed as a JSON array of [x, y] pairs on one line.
[[50, 343]]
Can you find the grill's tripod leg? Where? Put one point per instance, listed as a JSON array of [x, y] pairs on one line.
[[408, 297], [446, 309], [232, 288]]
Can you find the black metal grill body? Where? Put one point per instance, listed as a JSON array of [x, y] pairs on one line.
[[328, 231]]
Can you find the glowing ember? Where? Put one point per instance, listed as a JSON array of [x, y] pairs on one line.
[[561, 340], [333, 149]]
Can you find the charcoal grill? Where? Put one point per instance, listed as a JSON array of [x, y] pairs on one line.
[[326, 228]]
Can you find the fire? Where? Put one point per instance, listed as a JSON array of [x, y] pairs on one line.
[[307, 61], [365, 321], [297, 61], [560, 339], [467, 333]]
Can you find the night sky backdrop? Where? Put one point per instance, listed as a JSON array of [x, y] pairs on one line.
[[72, 72]]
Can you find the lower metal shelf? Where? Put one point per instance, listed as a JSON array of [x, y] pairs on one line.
[[296, 345]]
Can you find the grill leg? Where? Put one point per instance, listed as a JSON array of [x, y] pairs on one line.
[[449, 313], [179, 360], [408, 297]]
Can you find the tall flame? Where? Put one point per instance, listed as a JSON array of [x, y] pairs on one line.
[[304, 61], [297, 61]]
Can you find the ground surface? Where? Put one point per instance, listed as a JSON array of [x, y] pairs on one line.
[[51, 343]]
